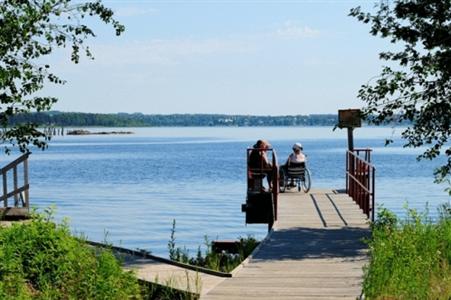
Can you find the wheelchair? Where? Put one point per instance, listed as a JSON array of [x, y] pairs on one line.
[[299, 174]]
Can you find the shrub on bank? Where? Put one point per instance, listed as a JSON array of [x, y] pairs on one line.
[[42, 260], [411, 258], [223, 262]]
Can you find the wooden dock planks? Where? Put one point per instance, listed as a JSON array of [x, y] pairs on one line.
[[314, 252], [170, 275]]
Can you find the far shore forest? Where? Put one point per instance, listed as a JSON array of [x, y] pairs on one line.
[[68, 119], [72, 119]]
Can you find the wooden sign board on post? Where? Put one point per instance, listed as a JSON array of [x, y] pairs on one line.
[[349, 118]]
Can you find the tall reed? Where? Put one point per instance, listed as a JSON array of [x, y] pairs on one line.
[[224, 262], [409, 258]]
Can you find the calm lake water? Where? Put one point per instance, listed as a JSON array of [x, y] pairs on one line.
[[128, 189]]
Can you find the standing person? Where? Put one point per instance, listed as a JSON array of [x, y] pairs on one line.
[[258, 160]]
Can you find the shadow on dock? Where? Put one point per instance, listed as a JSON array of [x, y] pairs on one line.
[[300, 243]]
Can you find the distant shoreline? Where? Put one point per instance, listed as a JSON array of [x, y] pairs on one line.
[[71, 119]]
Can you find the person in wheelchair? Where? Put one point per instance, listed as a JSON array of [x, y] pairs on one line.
[[258, 160], [295, 159]]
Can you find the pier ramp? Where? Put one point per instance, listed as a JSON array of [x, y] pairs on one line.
[[314, 251]]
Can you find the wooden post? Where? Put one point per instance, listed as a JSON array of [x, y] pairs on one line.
[[5, 190], [351, 161], [351, 138], [16, 196], [25, 182], [350, 119]]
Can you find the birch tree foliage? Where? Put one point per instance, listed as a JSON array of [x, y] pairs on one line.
[[418, 91], [29, 31]]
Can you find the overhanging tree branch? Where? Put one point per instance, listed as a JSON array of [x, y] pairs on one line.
[[423, 85], [29, 30]]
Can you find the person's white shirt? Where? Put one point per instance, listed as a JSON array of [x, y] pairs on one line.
[[296, 157]]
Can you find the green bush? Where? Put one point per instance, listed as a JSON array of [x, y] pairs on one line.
[[42, 260], [224, 262], [411, 258]]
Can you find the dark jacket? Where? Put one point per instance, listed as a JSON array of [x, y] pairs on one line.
[[257, 160]]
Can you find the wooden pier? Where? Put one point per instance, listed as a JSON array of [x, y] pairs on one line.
[[172, 275], [315, 251]]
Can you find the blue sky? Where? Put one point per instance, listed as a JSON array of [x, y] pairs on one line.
[[224, 56]]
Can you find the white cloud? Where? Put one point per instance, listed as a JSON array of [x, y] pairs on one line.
[[131, 11], [293, 30], [167, 51], [174, 51]]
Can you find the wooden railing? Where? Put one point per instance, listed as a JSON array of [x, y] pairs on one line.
[[360, 179], [19, 191]]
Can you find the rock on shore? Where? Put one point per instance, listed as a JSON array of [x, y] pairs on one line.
[[87, 132]]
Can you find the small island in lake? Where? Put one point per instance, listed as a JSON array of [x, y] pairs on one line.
[[87, 132]]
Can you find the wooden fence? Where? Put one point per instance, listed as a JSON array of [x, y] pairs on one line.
[[20, 188]]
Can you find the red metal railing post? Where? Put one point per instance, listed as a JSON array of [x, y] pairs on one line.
[[275, 182], [359, 186], [347, 172]]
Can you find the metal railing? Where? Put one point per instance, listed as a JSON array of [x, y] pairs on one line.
[[20, 193], [360, 179]]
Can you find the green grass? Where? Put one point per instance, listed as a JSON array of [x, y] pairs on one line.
[[224, 262], [410, 258], [42, 260], [164, 291]]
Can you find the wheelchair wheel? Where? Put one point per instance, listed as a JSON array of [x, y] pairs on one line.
[[282, 181], [306, 182]]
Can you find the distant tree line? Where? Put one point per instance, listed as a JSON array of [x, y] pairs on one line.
[[73, 119]]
